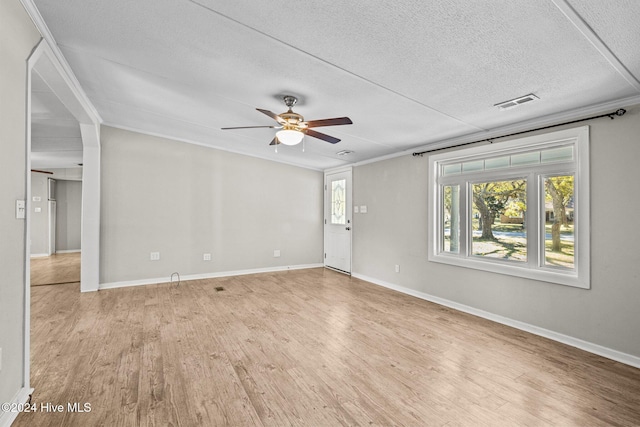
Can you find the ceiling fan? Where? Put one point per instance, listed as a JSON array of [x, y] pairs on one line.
[[294, 127]]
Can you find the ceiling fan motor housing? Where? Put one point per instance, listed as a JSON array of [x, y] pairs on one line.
[[292, 120]]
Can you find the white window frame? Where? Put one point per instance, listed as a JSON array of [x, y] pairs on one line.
[[534, 267]]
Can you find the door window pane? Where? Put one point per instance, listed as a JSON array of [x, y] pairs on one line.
[[338, 193], [498, 220], [559, 240], [451, 216]]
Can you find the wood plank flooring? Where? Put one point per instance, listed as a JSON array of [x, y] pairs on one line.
[[304, 348], [55, 269]]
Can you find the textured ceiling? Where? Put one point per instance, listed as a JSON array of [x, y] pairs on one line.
[[409, 73], [55, 133]]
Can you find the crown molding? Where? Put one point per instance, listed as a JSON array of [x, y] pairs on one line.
[[552, 119], [60, 61]]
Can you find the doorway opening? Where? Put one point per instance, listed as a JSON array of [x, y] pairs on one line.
[[55, 216], [56, 107]]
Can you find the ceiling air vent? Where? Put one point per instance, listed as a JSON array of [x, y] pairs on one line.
[[344, 152], [515, 102]]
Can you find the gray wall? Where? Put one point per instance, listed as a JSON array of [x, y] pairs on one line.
[[18, 36], [69, 216], [394, 231], [39, 220], [184, 200], [66, 174]]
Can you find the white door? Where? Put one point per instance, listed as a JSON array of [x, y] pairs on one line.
[[337, 220]]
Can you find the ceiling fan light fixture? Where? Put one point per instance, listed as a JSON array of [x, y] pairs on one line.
[[289, 136], [294, 127]]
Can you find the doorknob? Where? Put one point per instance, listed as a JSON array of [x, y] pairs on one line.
[[347, 228]]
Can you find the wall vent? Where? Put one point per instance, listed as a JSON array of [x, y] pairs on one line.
[[515, 102]]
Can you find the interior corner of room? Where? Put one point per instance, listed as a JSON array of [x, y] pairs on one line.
[[133, 155]]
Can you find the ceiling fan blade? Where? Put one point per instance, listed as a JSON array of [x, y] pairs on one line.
[[329, 122], [273, 115], [321, 136], [252, 127], [275, 141]]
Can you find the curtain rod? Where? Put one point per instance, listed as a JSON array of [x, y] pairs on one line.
[[39, 171], [619, 112]]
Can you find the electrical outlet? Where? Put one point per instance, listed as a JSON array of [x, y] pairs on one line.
[[154, 256], [397, 268], [276, 253], [206, 257]]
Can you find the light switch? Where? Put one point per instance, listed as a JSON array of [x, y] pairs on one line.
[[356, 209], [37, 210], [20, 209], [363, 209]]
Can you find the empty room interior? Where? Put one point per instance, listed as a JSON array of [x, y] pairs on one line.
[[414, 213]]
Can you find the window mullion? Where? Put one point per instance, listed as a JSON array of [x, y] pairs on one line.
[[533, 227], [466, 229]]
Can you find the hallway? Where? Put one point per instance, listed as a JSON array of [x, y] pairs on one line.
[[55, 269]]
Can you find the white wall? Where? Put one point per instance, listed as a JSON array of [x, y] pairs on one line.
[[18, 36], [69, 215], [39, 220], [394, 231], [184, 200], [66, 174]]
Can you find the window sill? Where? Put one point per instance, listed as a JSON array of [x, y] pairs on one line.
[[569, 278]]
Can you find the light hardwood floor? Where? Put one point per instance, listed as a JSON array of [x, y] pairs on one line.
[[307, 347], [55, 269]]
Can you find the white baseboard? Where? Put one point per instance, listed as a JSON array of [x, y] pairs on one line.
[[6, 418], [609, 353], [71, 251], [167, 279]]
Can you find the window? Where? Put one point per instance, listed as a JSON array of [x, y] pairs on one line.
[[519, 208], [338, 189]]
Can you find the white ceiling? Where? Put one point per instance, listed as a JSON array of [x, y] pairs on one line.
[[55, 133], [409, 73]]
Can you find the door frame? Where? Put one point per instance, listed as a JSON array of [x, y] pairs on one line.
[[65, 86], [325, 211]]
